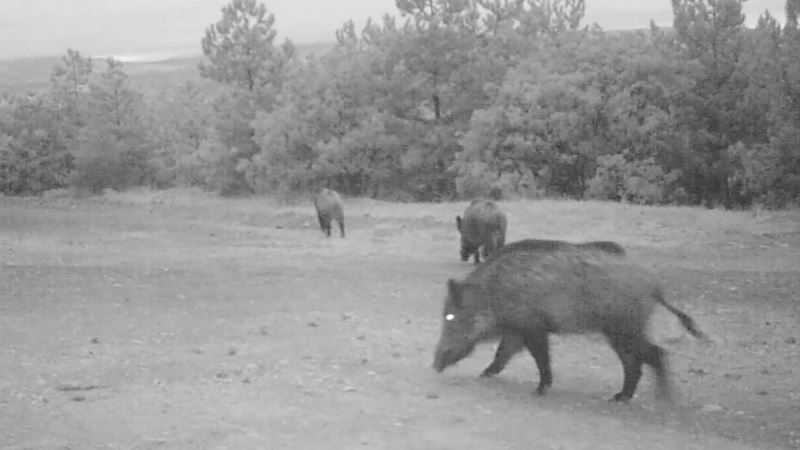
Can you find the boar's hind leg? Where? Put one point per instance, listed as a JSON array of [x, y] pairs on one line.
[[655, 357], [632, 348], [538, 345], [324, 224], [509, 346]]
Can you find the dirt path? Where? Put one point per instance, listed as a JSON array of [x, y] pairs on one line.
[[126, 325]]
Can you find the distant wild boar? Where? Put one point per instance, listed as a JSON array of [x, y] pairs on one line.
[[329, 207], [483, 226], [510, 343], [532, 294]]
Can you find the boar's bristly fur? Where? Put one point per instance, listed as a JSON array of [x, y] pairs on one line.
[[532, 294], [546, 245], [329, 207], [511, 344]]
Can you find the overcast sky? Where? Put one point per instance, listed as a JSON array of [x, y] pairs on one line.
[[147, 29]]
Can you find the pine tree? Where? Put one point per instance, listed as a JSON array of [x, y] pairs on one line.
[[242, 55], [241, 51], [114, 148]]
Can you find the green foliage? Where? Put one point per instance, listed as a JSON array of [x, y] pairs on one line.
[[33, 152], [382, 113], [583, 95], [114, 150], [182, 128], [635, 181], [710, 34], [451, 98], [39, 131], [69, 82], [327, 130], [240, 49], [755, 171], [242, 55]]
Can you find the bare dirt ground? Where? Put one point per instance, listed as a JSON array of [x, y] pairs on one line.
[[179, 321]]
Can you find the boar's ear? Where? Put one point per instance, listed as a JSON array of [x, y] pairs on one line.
[[458, 223], [454, 289]]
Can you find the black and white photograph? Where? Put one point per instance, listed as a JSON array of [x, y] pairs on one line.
[[399, 224]]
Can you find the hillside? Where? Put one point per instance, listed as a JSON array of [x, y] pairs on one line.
[[31, 74]]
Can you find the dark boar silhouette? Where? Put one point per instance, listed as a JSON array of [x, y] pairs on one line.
[[532, 294], [482, 227], [329, 207], [511, 344]]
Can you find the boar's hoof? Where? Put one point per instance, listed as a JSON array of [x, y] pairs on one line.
[[490, 371], [621, 398], [542, 389]]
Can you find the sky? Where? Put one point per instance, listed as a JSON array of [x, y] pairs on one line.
[[158, 29]]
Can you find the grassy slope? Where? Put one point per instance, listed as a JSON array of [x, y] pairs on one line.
[[234, 323]]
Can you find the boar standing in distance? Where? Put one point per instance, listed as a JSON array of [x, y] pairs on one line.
[[329, 207], [532, 294], [483, 226], [511, 344]]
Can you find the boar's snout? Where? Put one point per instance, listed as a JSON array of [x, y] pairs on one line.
[[446, 357], [442, 359]]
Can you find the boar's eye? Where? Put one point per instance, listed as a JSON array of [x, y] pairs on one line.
[[449, 317]]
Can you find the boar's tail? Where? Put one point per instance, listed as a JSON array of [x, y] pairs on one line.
[[686, 321]]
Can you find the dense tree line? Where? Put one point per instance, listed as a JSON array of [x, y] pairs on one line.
[[446, 99]]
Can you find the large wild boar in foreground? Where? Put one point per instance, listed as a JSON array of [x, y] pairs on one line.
[[510, 343], [329, 207], [572, 290], [483, 226]]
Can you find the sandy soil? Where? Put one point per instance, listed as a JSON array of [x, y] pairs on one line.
[[176, 320]]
